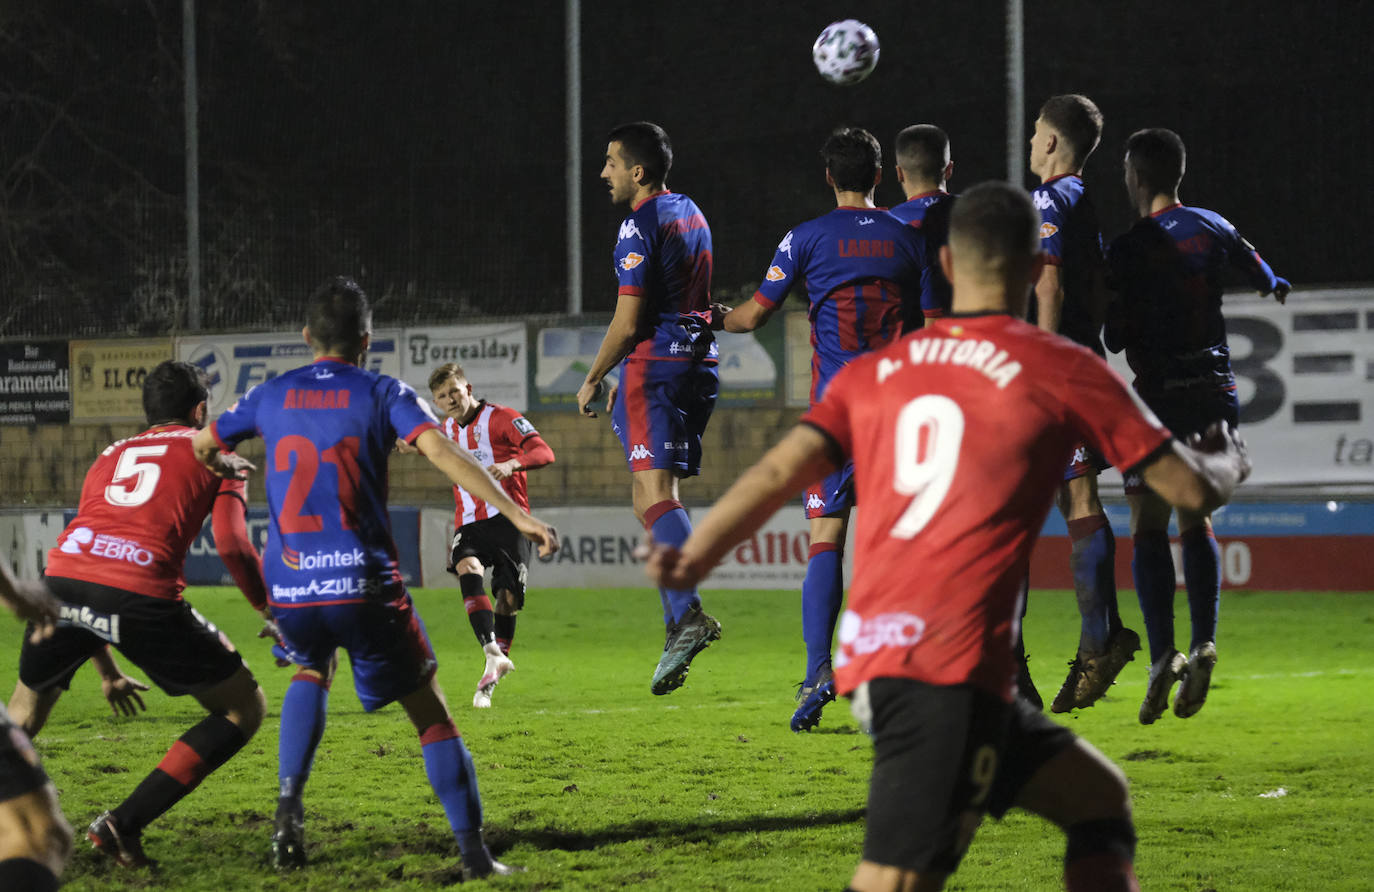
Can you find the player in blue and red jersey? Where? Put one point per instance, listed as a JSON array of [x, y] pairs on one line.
[[330, 562], [661, 339], [862, 268], [1167, 272], [923, 169], [1068, 300]]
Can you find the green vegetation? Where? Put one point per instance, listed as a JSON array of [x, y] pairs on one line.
[[591, 783]]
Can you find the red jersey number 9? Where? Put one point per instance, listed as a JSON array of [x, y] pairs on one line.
[[930, 430]]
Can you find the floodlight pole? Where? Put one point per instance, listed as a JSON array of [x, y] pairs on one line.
[[1016, 93], [573, 172], [188, 80]]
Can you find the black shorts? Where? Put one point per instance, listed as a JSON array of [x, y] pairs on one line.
[[20, 771], [176, 647], [942, 757], [497, 544]]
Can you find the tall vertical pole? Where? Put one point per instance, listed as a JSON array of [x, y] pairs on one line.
[[188, 80], [573, 171], [1016, 94]]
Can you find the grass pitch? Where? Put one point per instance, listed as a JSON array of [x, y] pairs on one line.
[[590, 782]]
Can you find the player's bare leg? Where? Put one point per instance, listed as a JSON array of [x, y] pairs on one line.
[[1084, 793], [35, 840], [30, 709], [452, 776], [304, 711], [870, 876], [1104, 646], [689, 629], [1202, 581], [1152, 565], [236, 706], [822, 598]]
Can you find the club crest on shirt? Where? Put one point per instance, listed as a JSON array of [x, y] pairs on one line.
[[1048, 229], [775, 273], [631, 261]]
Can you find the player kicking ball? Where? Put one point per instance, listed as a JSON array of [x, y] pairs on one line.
[[507, 445]]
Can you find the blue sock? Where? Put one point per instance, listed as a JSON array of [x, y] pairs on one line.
[[1153, 569], [1202, 580], [669, 525], [822, 597], [303, 712], [448, 765], [1094, 580]]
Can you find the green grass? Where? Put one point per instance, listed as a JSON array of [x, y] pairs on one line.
[[591, 782]]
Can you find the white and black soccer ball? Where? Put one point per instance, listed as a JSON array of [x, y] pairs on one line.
[[846, 52]]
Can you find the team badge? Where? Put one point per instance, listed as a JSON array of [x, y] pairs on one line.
[[631, 261], [1048, 229], [523, 426], [775, 273]]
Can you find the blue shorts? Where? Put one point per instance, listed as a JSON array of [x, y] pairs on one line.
[[832, 495], [386, 643], [661, 412], [1186, 412]]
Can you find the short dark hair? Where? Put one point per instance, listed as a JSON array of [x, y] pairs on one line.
[[922, 150], [172, 390], [853, 157], [646, 144], [1158, 157], [995, 226], [444, 372], [1076, 118], [339, 316]]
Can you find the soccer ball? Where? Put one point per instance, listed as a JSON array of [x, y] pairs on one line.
[[846, 52]]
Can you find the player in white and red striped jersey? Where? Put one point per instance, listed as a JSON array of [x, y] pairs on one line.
[[507, 445], [957, 433]]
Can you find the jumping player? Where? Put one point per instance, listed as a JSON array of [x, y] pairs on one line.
[[117, 569], [35, 839], [957, 433], [862, 268], [1068, 300], [660, 337], [1167, 272], [923, 170], [331, 564], [507, 445]]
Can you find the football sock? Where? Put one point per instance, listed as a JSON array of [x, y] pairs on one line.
[[303, 713], [1094, 580], [505, 631], [822, 596], [454, 779], [478, 606], [198, 752], [1152, 565], [1098, 856], [668, 523], [1202, 579], [26, 874]]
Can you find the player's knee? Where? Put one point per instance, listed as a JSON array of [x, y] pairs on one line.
[[469, 566], [248, 710]]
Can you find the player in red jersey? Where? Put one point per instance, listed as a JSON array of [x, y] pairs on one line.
[[956, 433], [117, 569], [35, 839], [507, 445], [1070, 300]]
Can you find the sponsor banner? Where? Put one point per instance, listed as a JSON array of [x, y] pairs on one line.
[[1305, 375], [28, 538], [35, 386], [750, 365], [237, 362], [108, 377], [494, 358]]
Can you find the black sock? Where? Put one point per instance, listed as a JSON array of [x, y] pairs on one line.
[[26, 874], [505, 631], [198, 752], [478, 606]]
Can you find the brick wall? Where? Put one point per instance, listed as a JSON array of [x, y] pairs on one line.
[[43, 466]]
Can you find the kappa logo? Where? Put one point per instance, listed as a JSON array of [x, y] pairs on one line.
[[815, 501], [1048, 229], [775, 273], [1042, 201], [1080, 455], [640, 452], [785, 246], [628, 229], [631, 261]]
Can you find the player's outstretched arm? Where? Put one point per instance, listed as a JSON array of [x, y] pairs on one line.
[[747, 316], [535, 453], [459, 466], [30, 600], [1202, 475], [121, 691], [802, 456], [221, 464], [620, 338]]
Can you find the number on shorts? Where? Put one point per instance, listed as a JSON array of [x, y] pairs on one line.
[[982, 772], [930, 430], [134, 480]]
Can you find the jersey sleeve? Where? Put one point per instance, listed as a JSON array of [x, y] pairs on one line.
[[513, 427], [1100, 406], [1245, 258], [781, 274], [632, 257], [830, 416], [410, 416], [1051, 226], [239, 422]]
